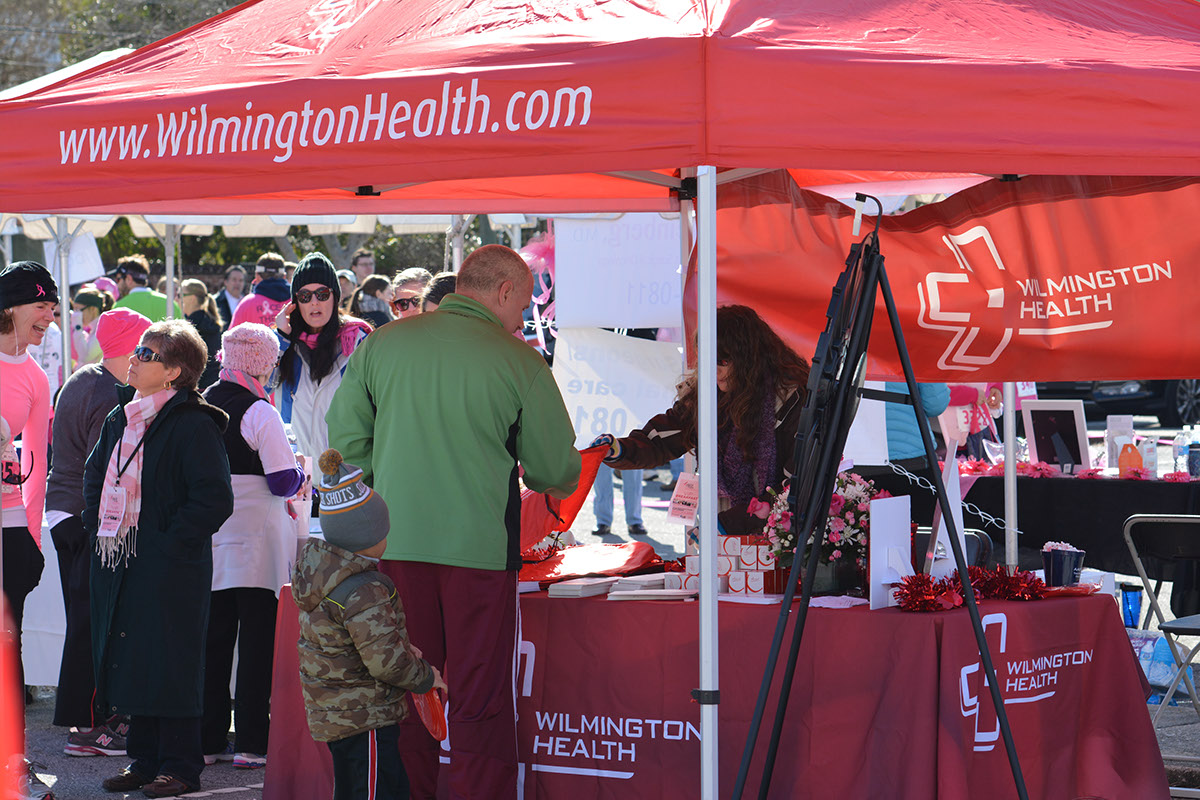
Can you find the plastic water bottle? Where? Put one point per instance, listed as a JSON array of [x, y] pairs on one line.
[[1179, 448]]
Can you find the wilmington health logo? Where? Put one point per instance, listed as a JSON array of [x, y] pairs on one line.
[[1022, 680], [980, 331]]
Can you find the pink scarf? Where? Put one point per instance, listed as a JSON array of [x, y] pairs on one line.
[[246, 381], [139, 413], [348, 336]]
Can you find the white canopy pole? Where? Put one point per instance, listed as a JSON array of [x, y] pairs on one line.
[[706, 389], [62, 246], [170, 242], [1010, 474]]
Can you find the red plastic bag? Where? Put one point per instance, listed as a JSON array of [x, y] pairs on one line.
[[591, 559], [542, 515]]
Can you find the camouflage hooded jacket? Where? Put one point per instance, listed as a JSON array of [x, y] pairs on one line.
[[355, 661]]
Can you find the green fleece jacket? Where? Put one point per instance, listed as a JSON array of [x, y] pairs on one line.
[[438, 410]]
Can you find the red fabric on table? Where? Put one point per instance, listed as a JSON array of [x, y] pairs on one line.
[[591, 559], [875, 711], [297, 767]]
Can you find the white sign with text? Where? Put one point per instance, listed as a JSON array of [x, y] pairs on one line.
[[613, 383], [617, 273]]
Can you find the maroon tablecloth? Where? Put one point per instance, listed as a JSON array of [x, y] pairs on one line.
[[885, 704]]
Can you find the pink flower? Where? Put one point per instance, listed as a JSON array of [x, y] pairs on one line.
[[1177, 477], [836, 554], [835, 537], [882, 494], [758, 508], [862, 506], [835, 504], [786, 519], [850, 519], [1136, 474], [1090, 474], [836, 525]]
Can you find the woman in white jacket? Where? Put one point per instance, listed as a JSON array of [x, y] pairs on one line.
[[318, 340], [254, 550]]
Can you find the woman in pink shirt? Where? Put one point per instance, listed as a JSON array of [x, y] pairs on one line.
[[28, 300]]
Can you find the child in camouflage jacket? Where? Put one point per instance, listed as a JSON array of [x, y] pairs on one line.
[[356, 662]]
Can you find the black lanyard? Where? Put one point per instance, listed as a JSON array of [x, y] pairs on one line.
[[120, 469]]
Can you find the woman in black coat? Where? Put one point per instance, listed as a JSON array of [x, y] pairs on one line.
[[201, 310], [156, 489]]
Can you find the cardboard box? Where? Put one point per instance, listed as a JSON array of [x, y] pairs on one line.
[[755, 583], [737, 582], [757, 557], [724, 565], [673, 580], [691, 565], [692, 583]]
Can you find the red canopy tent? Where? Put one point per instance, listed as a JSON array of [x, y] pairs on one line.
[[285, 96], [548, 105]]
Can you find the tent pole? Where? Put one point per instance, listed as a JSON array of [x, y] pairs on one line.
[[706, 388], [170, 238], [1010, 474], [6, 249], [62, 246]]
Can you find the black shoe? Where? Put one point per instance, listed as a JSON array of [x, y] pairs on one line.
[[167, 786], [638, 530], [125, 781], [602, 530]]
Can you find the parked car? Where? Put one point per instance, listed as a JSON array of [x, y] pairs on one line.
[[1175, 403]]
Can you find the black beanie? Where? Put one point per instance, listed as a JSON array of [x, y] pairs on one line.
[[26, 282], [316, 268]]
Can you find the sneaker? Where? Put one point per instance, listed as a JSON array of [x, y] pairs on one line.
[[167, 786], [224, 755], [118, 724], [99, 741], [30, 786], [249, 761]]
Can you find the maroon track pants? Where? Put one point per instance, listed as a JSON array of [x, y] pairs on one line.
[[465, 623]]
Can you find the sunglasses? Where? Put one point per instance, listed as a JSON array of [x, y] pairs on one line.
[[144, 354], [405, 303], [305, 296]]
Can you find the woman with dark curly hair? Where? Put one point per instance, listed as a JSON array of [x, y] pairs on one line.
[[760, 389]]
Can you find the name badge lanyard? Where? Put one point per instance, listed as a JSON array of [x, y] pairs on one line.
[[120, 469]]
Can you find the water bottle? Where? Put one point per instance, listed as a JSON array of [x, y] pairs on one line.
[[1179, 448], [1193, 459]]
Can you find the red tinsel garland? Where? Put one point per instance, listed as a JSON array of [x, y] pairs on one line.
[[922, 593]]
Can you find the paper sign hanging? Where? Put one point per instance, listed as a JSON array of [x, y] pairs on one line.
[[613, 383], [618, 273]]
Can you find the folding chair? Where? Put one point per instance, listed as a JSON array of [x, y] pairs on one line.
[[1159, 544]]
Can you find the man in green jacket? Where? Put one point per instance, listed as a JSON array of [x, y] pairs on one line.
[[442, 411], [132, 276]]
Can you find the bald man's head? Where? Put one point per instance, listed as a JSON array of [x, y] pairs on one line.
[[499, 278]]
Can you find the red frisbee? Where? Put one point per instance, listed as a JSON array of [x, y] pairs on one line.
[[429, 709]]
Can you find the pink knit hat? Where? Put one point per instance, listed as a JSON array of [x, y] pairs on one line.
[[250, 347], [119, 331]]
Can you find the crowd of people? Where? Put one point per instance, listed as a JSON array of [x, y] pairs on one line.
[[166, 468], [178, 480]]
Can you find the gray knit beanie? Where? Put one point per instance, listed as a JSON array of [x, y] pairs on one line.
[[353, 516]]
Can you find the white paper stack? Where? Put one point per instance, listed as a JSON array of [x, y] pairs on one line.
[[653, 594], [632, 582], [581, 587]]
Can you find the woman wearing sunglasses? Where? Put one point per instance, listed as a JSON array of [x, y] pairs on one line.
[[317, 340], [409, 286], [156, 488], [28, 300]]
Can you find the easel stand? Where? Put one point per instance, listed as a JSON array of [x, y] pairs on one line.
[[834, 387]]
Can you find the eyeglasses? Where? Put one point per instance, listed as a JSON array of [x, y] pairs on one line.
[[305, 296], [145, 354], [405, 303]]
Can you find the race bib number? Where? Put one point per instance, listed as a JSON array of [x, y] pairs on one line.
[[112, 511]]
